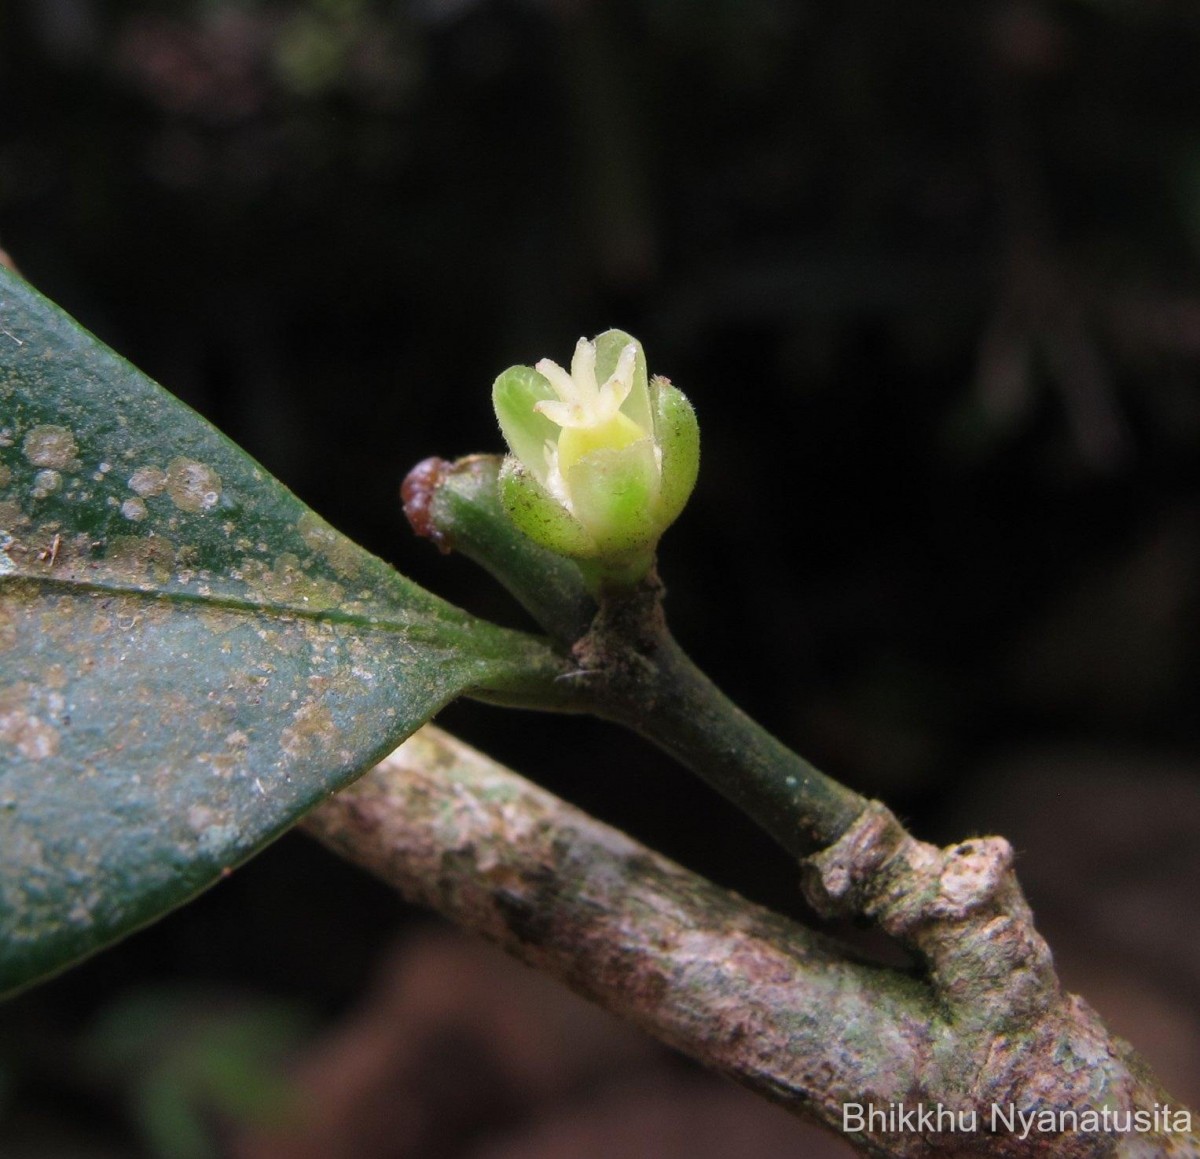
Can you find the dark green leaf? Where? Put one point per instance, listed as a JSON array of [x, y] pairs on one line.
[[189, 657]]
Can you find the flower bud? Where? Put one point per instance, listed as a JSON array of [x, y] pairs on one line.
[[602, 461]]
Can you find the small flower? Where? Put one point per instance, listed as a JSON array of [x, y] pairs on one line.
[[603, 460], [590, 415]]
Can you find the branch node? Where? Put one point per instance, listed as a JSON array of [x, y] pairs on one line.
[[959, 908], [838, 879], [879, 870]]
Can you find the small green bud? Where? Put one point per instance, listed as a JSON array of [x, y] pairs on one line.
[[602, 460]]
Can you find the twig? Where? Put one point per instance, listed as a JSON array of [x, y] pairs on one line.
[[774, 1006]]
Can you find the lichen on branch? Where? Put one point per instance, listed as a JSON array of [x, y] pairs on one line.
[[769, 1003]]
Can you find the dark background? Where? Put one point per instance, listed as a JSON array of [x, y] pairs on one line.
[[929, 274]]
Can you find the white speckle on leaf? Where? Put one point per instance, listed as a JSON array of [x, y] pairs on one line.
[[33, 737], [45, 483], [133, 509], [50, 446], [81, 912], [312, 730], [217, 838], [192, 486], [199, 818], [147, 481]]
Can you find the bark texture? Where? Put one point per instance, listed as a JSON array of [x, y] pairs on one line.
[[771, 1004]]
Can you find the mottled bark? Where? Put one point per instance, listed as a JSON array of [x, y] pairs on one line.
[[773, 1005]]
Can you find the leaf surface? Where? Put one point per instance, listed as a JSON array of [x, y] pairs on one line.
[[189, 657]]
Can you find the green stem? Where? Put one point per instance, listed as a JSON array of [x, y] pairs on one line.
[[673, 704], [533, 677]]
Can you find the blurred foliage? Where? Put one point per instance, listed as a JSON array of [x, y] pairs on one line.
[[930, 279], [187, 1061]]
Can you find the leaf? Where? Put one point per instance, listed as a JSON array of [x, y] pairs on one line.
[[189, 657]]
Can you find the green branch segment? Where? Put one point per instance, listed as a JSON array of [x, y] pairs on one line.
[[671, 702]]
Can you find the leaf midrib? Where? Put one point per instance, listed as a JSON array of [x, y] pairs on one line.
[[424, 627]]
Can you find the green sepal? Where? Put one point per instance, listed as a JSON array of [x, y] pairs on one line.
[[678, 435], [514, 395], [539, 515]]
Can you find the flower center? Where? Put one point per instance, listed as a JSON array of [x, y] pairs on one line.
[[607, 435], [582, 403], [589, 413]]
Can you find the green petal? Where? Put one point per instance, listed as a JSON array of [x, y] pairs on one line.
[[608, 349], [615, 493], [514, 395], [678, 434], [536, 513]]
